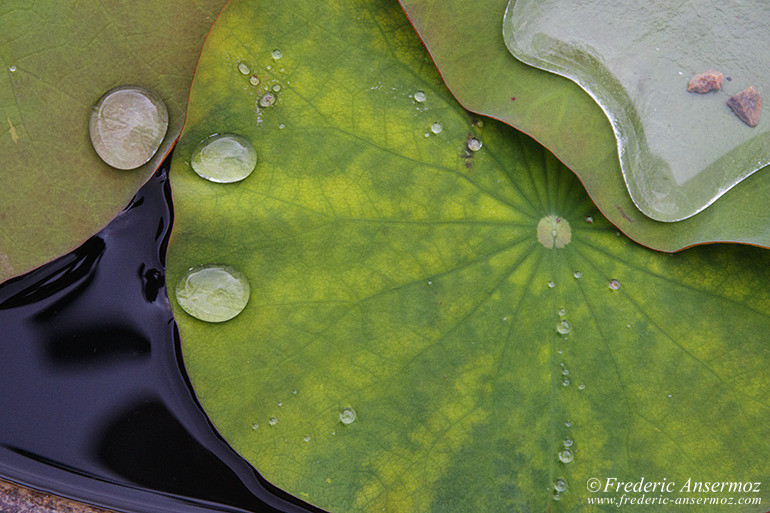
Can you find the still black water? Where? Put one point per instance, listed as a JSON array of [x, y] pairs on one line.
[[95, 403]]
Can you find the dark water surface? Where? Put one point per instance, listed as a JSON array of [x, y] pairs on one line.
[[95, 403]]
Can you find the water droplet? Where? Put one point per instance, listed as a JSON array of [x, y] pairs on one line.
[[12, 68], [589, 219], [562, 312], [565, 372], [277, 54], [568, 424], [255, 426], [281, 126], [566, 456], [294, 392], [243, 68], [565, 382], [474, 144], [582, 386], [419, 96], [614, 284], [427, 134], [348, 415], [669, 395], [307, 438], [280, 404], [268, 67], [560, 485], [254, 80], [556, 496], [479, 123], [568, 441], [273, 421], [213, 293], [276, 88], [224, 158], [436, 128], [127, 126], [578, 275], [267, 100], [553, 233], [563, 327], [551, 284]]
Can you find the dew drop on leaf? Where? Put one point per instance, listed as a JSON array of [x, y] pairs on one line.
[[243, 68], [436, 128], [277, 54], [563, 327], [224, 158], [127, 125], [419, 96], [273, 421], [213, 292], [560, 485], [348, 415], [614, 284], [566, 456], [267, 100], [474, 144]]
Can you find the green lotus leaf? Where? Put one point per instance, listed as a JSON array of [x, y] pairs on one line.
[[473, 308], [58, 59], [466, 43], [680, 147]]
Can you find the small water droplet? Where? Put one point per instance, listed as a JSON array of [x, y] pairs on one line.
[[436, 128], [565, 371], [294, 392], [273, 421], [568, 424], [419, 96], [243, 68], [474, 144], [12, 68], [563, 327], [280, 403], [556, 496], [553, 233], [568, 441], [578, 275], [224, 158], [560, 485], [670, 395], [268, 67], [565, 382], [505, 318], [582, 386], [562, 312], [348, 415], [127, 126], [589, 219], [255, 426], [213, 292], [277, 54], [566, 456], [307, 438], [551, 284], [479, 123], [281, 126], [614, 284], [276, 88], [427, 134], [267, 100], [254, 80]]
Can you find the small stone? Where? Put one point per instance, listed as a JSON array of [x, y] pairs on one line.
[[705, 82], [746, 105]]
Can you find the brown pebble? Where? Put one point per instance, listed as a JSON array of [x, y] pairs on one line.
[[746, 105], [705, 82]]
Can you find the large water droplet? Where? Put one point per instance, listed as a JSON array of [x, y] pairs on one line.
[[255, 426], [213, 293], [267, 100], [614, 284], [560, 485], [551, 284], [436, 128], [127, 126], [419, 96], [578, 275], [307, 438], [348, 415], [254, 80], [474, 144], [224, 158], [273, 421], [563, 327], [566, 456], [243, 68], [277, 54]]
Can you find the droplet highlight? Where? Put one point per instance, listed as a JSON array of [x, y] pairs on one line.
[[551, 284], [12, 68], [213, 292], [563, 327], [560, 485], [562, 312], [267, 100], [614, 284], [474, 144], [224, 158], [578, 275], [277, 54], [348, 415], [306, 438], [127, 125], [419, 96], [273, 421], [436, 128], [566, 456]]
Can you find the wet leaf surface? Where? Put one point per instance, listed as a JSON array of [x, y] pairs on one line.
[[472, 307], [465, 41], [58, 59]]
